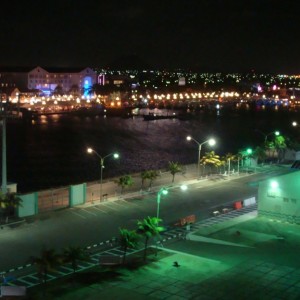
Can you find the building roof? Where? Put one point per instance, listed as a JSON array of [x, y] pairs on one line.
[[64, 69]]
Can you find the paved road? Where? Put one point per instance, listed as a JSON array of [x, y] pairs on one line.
[[87, 225]]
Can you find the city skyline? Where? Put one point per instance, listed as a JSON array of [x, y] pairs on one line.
[[201, 35]]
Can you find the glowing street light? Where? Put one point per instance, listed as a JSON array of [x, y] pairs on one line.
[[164, 191], [276, 133], [115, 155], [211, 142]]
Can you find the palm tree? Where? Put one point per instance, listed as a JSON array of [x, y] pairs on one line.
[[228, 158], [151, 175], [73, 255], [280, 145], [9, 202], [149, 228], [128, 239], [173, 168], [260, 153], [124, 181], [211, 159], [48, 261]]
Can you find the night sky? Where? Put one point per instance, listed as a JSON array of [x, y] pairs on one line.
[[204, 35]]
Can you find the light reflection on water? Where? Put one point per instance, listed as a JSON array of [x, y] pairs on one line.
[[52, 151]]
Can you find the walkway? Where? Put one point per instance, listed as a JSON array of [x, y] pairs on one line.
[[33, 278]]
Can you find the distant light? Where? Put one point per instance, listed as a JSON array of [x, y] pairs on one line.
[[274, 184], [188, 138], [116, 155], [249, 151], [183, 187], [165, 191], [211, 142], [277, 133], [294, 124]]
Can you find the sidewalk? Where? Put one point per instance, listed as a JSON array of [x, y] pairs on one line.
[[205, 270], [189, 177]]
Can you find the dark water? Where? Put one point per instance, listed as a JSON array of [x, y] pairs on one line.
[[51, 151]]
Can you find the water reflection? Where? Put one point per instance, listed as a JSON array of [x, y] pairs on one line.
[[53, 151]]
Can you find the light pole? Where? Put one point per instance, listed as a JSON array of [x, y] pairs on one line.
[[276, 132], [115, 155], [164, 191], [211, 142]]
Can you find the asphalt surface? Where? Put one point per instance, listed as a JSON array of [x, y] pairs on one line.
[[90, 224]]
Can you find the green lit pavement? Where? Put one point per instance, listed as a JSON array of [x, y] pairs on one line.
[[267, 268]]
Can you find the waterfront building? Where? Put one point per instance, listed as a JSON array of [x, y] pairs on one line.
[[49, 80]]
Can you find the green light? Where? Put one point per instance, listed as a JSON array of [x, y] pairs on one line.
[[277, 133], [165, 192], [183, 187], [249, 151], [274, 184]]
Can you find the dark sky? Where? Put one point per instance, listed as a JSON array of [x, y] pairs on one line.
[[222, 35]]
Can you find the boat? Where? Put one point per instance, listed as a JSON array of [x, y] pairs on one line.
[[152, 117]]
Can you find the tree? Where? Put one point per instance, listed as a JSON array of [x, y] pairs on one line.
[[211, 159], [58, 90], [73, 255], [280, 146], [150, 175], [149, 228], [47, 261], [9, 202], [124, 182], [74, 90], [260, 153], [173, 168], [228, 158], [128, 239]]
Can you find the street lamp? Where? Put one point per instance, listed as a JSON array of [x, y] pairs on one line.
[[211, 142], [276, 132], [115, 155], [165, 191]]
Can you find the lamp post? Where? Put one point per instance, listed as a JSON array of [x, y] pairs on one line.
[[164, 191], [276, 132], [115, 155], [211, 142]]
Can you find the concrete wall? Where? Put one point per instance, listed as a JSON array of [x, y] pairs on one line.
[[279, 197], [77, 194], [29, 205]]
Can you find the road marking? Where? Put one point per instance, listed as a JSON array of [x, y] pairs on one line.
[[130, 203], [79, 215], [109, 207], [115, 202], [96, 207], [88, 212]]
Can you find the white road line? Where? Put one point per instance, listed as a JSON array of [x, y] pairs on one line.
[[88, 212], [79, 215], [95, 207], [128, 202], [109, 207], [115, 202]]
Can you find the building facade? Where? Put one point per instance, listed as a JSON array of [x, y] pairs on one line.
[[279, 197], [49, 80]]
